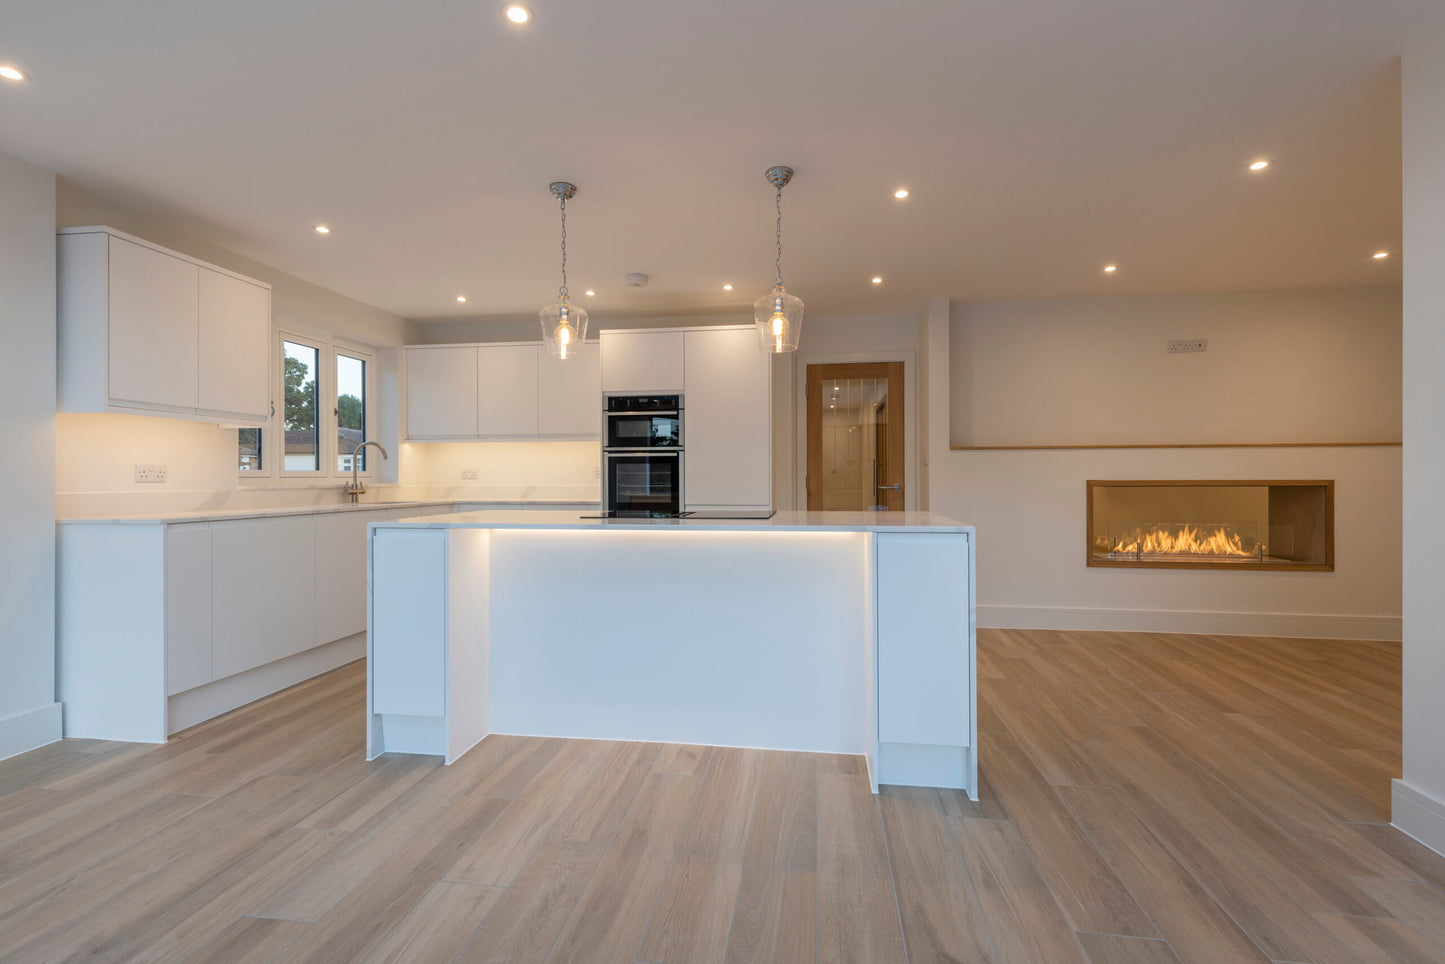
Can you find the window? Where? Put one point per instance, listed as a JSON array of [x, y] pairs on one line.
[[300, 414], [324, 410], [249, 445], [350, 410]]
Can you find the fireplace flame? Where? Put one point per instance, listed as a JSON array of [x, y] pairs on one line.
[[1188, 540]]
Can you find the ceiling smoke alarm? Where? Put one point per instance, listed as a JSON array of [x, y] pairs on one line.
[[637, 280]]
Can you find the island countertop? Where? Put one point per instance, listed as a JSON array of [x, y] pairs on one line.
[[789, 521]]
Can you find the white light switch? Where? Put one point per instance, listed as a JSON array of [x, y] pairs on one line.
[[150, 473]]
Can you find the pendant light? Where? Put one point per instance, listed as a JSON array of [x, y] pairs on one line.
[[564, 325], [779, 316]]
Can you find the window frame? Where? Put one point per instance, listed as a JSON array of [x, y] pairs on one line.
[[367, 356], [273, 432]]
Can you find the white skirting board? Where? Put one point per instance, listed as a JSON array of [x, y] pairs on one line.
[[26, 731], [211, 700], [1418, 814], [1303, 625]]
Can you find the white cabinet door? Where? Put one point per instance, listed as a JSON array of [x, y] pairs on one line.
[[569, 394], [727, 419], [923, 652], [263, 591], [153, 328], [441, 392], [507, 390], [341, 573], [188, 607], [642, 361], [235, 345]]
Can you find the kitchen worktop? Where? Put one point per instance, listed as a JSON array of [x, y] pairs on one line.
[[269, 512], [780, 522]]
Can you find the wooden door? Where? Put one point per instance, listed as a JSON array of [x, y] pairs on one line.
[[855, 436]]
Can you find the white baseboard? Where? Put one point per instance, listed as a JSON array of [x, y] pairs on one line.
[[22, 732], [1307, 625], [1418, 814], [211, 700]]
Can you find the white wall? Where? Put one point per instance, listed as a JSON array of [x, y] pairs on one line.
[[29, 715], [526, 471], [1419, 798], [1029, 505], [1283, 366], [97, 458]]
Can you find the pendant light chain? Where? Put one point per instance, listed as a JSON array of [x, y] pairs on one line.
[[778, 280], [562, 291]]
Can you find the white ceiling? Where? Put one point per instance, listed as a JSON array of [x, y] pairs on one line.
[[1041, 139]]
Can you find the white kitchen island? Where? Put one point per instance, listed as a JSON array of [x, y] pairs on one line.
[[835, 632]]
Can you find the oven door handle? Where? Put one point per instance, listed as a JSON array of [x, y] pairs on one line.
[[638, 414], [655, 453]]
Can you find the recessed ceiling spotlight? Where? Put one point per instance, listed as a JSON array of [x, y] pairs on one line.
[[1381, 255], [462, 299], [590, 292], [901, 193], [12, 73], [877, 280], [1110, 268], [322, 229], [518, 14], [1259, 165], [727, 287]]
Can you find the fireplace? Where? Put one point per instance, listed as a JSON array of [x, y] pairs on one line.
[[1208, 524]]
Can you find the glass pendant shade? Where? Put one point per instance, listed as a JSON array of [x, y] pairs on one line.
[[564, 329], [779, 317]]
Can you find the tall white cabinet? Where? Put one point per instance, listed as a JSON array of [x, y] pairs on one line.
[[147, 330], [726, 384]]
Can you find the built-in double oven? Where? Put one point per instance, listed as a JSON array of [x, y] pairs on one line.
[[642, 455]]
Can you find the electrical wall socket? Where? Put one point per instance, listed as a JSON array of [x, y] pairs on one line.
[[597, 473], [150, 473], [469, 475], [1178, 346]]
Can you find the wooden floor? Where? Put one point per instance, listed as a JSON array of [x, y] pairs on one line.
[[1148, 799]]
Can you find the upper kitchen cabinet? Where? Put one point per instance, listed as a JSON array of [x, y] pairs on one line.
[[642, 362], [728, 429], [146, 330], [441, 392], [507, 391], [501, 391], [569, 395]]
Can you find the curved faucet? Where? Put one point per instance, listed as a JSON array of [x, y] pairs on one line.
[[356, 488]]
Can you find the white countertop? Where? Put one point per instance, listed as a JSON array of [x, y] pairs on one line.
[[219, 515], [780, 522]]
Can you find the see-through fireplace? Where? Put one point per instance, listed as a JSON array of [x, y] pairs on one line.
[[1211, 524]]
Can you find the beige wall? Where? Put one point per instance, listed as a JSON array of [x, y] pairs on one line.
[[29, 715], [1282, 366], [1029, 505]]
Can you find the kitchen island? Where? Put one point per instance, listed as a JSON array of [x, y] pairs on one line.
[[836, 632]]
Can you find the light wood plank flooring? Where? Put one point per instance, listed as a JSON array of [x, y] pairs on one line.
[[1148, 798]]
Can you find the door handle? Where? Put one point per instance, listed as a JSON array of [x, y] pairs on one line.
[[896, 487]]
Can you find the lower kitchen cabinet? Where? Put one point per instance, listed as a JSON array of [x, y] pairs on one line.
[[188, 607], [263, 591]]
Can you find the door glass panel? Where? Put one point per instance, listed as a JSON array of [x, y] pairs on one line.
[[350, 412], [302, 449], [853, 444]]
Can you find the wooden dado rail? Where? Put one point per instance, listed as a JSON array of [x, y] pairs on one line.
[[1176, 445]]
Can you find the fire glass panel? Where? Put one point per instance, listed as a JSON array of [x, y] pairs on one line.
[[1276, 525]]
